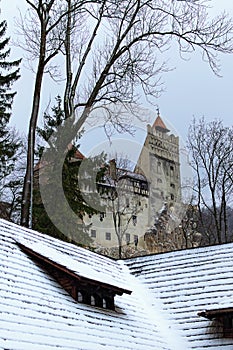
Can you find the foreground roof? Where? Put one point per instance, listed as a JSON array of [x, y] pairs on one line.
[[37, 313], [168, 292], [189, 283]]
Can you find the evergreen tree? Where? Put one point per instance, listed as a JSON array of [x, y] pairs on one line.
[[9, 142], [75, 231]]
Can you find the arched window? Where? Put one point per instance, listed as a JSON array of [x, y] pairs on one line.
[[159, 167]]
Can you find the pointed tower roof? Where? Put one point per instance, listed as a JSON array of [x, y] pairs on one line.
[[159, 124], [78, 155]]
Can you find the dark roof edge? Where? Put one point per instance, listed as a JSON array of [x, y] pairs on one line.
[[177, 250], [41, 258], [215, 313]]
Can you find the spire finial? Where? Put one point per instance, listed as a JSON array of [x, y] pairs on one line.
[[157, 109]]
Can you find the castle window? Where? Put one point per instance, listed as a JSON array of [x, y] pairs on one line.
[[172, 185], [172, 170], [127, 238], [159, 181], [93, 233], [108, 236], [172, 197], [159, 167], [102, 216], [134, 219]]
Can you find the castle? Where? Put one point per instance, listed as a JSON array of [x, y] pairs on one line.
[[155, 182], [140, 210]]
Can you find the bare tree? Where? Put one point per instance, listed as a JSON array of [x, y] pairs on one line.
[[118, 51], [210, 145], [43, 45], [113, 50], [122, 192]]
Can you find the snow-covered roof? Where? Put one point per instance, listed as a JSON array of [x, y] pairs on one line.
[[37, 313], [188, 282], [81, 269], [168, 292]]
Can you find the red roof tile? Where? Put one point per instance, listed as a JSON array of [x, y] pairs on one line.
[[159, 124]]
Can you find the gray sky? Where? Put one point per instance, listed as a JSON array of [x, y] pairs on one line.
[[190, 90]]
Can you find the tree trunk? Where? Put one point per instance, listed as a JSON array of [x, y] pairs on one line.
[[28, 180]]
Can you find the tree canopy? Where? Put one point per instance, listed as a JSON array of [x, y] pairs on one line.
[[9, 141], [211, 149]]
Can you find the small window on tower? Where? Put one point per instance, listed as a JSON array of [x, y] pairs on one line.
[[172, 170], [159, 167]]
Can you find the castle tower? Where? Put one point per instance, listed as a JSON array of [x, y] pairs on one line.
[[159, 161]]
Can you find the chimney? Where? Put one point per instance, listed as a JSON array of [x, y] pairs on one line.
[[112, 169]]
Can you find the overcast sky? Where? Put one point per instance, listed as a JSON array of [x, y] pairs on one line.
[[190, 90]]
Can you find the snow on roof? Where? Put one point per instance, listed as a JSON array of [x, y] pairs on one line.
[[133, 175], [79, 268], [168, 292], [37, 313], [187, 282]]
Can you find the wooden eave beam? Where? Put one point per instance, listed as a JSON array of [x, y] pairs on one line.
[[42, 259], [216, 313]]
